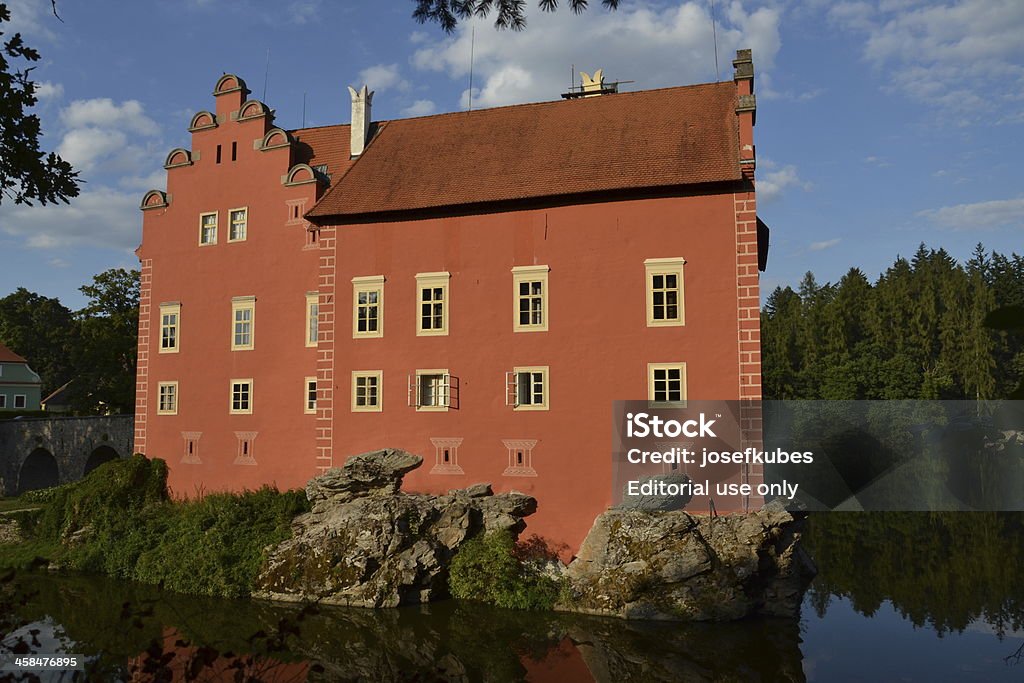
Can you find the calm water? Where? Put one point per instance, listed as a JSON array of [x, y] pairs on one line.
[[899, 598]]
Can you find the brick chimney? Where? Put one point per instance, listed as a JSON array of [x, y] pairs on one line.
[[746, 109], [361, 101]]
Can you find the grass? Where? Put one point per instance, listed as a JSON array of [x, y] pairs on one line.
[[9, 504], [120, 521], [491, 569]]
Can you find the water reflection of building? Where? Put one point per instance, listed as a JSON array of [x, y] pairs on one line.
[[475, 287]]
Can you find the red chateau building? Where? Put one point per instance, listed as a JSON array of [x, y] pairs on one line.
[[475, 287]]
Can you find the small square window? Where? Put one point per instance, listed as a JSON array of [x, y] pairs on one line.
[[432, 304], [368, 306], [3, 400], [241, 396], [666, 383], [208, 228], [366, 391], [239, 224], [243, 314], [530, 298], [310, 395], [664, 292], [20, 400], [526, 388], [167, 398]]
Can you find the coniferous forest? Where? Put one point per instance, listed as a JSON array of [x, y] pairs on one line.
[[917, 332]]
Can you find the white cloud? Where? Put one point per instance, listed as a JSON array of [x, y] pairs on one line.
[[57, 262], [772, 179], [103, 136], [102, 112], [30, 18], [382, 77], [100, 217], [962, 56], [653, 46], [420, 108], [303, 11], [49, 91], [873, 160], [827, 244], [979, 215]]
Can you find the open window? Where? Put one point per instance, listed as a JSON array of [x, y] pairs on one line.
[[431, 390], [526, 388]]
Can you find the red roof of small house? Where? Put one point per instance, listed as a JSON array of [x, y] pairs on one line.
[[8, 356], [635, 140]]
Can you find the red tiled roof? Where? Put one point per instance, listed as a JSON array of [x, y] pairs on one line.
[[8, 356], [645, 139], [325, 146]]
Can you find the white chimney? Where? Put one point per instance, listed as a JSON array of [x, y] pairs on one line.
[[361, 101]]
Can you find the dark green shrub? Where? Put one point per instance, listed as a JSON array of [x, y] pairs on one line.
[[488, 569]]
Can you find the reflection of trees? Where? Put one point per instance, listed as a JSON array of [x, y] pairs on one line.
[[940, 569], [135, 626]]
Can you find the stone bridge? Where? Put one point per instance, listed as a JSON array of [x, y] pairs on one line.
[[40, 452]]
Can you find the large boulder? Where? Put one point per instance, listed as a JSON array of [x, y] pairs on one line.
[[367, 544], [672, 565]]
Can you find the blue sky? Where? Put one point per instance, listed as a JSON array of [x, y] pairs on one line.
[[881, 124]]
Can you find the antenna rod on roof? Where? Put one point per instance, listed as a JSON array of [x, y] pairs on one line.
[[266, 76], [714, 34], [303, 109], [472, 46]]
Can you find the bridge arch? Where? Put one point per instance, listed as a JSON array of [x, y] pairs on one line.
[[99, 455], [39, 471]]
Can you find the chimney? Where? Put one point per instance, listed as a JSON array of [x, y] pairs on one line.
[[360, 127], [592, 87], [746, 109]]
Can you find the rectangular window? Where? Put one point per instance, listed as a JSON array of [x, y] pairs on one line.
[[167, 398], [368, 306], [208, 228], [3, 400], [312, 318], [310, 395], [170, 315], [432, 303], [239, 223], [664, 292], [366, 391], [666, 382], [243, 319], [430, 390], [20, 400], [241, 396], [530, 298], [526, 388]]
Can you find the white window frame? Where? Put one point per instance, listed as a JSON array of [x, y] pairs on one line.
[[24, 401], [378, 377], [665, 266], [232, 236], [443, 391], [309, 386], [523, 275], [202, 234], [173, 391], [433, 281], [167, 309], [243, 303], [231, 396], [3, 400], [312, 319], [512, 387], [366, 285], [651, 369]]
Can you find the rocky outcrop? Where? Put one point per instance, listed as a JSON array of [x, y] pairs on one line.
[[367, 544], [671, 565]]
